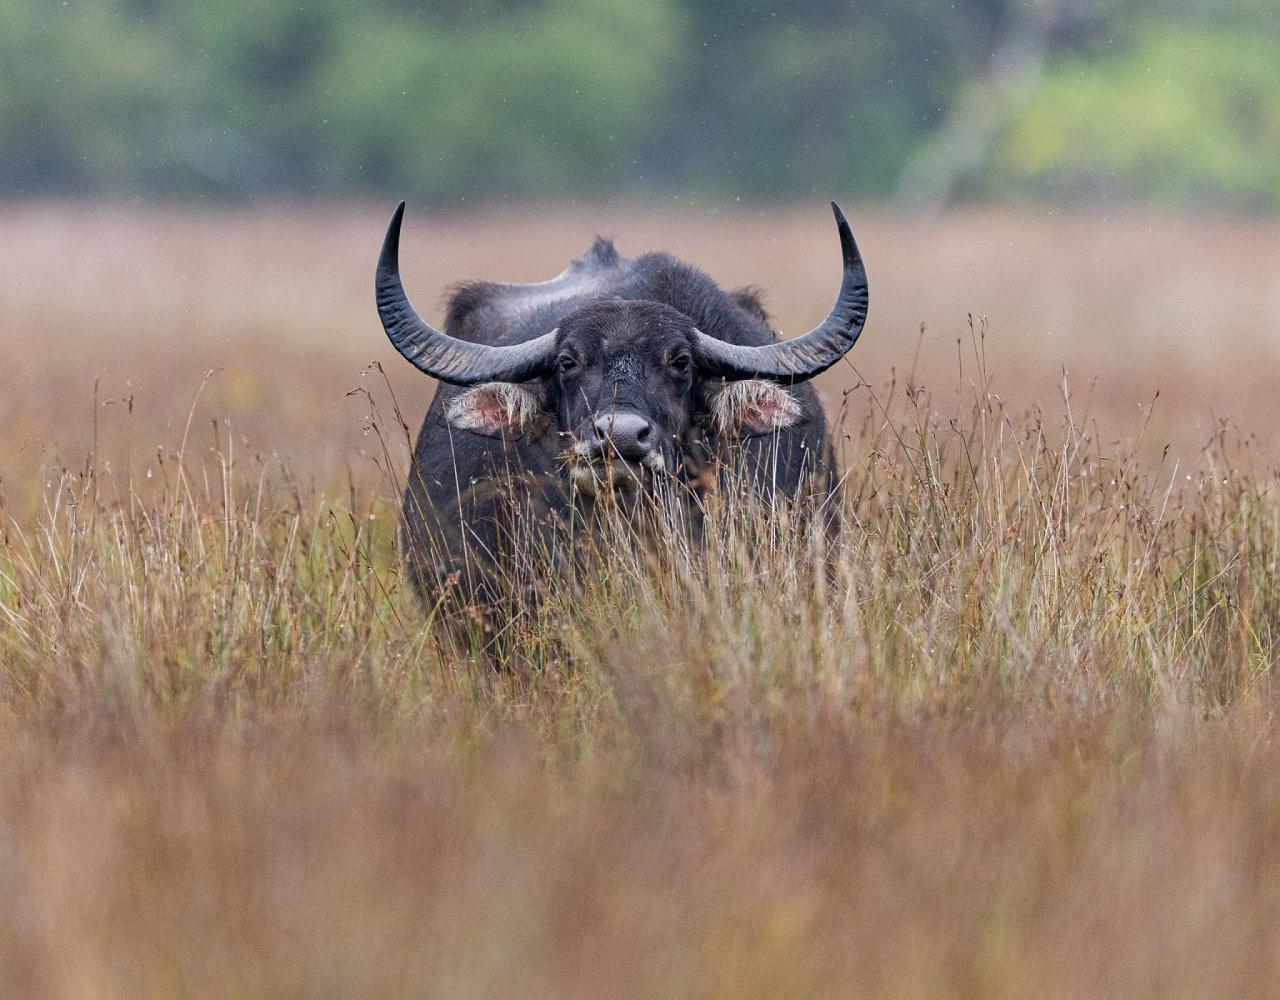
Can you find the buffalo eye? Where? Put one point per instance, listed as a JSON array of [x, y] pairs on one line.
[[566, 364], [680, 364]]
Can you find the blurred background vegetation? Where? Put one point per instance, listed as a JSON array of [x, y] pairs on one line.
[[915, 100]]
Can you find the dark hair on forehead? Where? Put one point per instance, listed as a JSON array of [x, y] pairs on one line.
[[627, 320], [623, 366]]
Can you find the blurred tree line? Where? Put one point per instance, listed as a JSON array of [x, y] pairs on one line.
[[919, 99]]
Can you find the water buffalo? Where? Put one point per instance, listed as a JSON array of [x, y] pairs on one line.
[[610, 378]]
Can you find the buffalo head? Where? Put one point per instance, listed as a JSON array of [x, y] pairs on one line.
[[625, 381]]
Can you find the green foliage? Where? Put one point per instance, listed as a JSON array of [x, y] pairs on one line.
[[816, 96], [544, 99], [449, 100], [220, 98], [1184, 114]]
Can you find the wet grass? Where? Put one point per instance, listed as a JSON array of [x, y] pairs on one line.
[[1009, 733]]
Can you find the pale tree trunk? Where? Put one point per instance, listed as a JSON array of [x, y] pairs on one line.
[[983, 107]]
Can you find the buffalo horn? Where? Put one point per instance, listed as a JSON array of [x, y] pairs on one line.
[[449, 359], [804, 357]]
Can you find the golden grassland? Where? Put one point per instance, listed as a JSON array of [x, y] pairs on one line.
[[1010, 734]]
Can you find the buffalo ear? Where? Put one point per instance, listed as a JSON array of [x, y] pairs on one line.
[[494, 408], [754, 406]]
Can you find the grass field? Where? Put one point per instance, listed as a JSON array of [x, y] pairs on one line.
[[1011, 735]]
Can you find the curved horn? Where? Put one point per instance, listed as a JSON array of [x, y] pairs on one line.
[[439, 355], [801, 358]]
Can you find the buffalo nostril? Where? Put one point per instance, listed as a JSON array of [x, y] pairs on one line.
[[628, 435]]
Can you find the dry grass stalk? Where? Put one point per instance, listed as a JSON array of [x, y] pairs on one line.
[[1009, 734]]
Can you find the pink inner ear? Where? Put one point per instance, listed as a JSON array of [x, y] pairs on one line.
[[764, 412], [490, 410], [766, 407], [492, 407]]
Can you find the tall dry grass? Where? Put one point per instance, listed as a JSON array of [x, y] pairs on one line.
[[1010, 733], [144, 300]]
